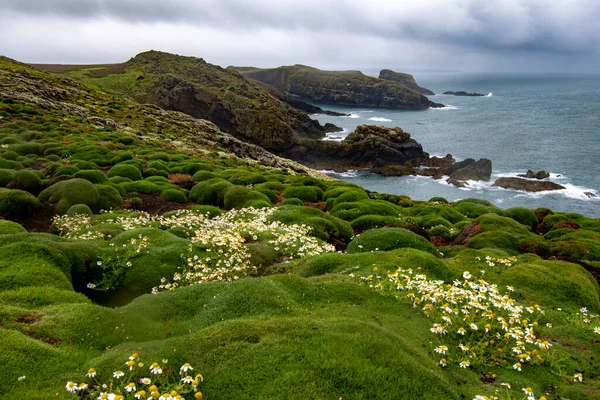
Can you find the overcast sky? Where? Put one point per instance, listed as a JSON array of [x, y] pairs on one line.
[[406, 35]]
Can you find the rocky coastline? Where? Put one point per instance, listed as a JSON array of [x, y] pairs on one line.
[[348, 88], [385, 151]]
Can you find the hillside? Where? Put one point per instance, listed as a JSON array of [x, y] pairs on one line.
[[202, 90], [216, 257], [349, 88]]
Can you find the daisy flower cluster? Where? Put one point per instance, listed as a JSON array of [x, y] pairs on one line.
[[474, 322], [493, 261], [217, 248], [139, 381], [586, 320], [121, 259], [218, 252], [77, 226]]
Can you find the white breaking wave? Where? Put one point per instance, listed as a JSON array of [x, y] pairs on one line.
[[445, 108], [346, 174], [380, 119], [351, 116], [489, 94], [579, 193]]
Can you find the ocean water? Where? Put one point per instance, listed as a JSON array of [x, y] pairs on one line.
[[537, 122]]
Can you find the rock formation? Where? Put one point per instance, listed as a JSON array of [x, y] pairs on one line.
[[350, 88], [406, 79], [462, 93], [526, 184], [535, 175]]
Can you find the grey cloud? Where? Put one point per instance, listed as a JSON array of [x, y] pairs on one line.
[[503, 24], [307, 30]]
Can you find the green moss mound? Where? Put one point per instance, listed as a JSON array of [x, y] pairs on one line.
[[79, 209], [17, 203], [201, 176], [109, 197], [174, 195], [10, 227], [522, 215], [324, 226], [28, 180], [241, 197], [389, 239], [292, 202], [141, 187], [126, 171], [349, 211], [210, 192], [366, 222], [363, 263], [473, 208], [93, 175], [6, 175], [68, 193], [304, 193]]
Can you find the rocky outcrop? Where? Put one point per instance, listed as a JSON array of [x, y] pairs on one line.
[[382, 150], [406, 79], [330, 128], [526, 184], [297, 104], [469, 169], [461, 93], [350, 88], [535, 175]]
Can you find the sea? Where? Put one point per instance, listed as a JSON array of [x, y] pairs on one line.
[[523, 122]]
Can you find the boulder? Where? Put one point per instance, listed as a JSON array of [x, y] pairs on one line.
[[526, 184], [535, 175], [469, 169], [329, 128], [462, 93]]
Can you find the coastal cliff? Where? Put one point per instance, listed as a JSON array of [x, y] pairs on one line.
[[350, 88], [406, 79]]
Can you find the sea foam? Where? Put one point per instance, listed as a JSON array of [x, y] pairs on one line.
[[380, 119]]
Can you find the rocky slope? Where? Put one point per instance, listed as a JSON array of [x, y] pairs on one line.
[[406, 79], [352, 88], [206, 91]]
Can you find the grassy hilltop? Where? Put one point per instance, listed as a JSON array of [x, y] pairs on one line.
[[269, 279]]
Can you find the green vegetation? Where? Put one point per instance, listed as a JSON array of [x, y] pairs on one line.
[[322, 290]]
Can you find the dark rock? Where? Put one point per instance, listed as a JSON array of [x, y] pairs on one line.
[[439, 162], [462, 93], [456, 182], [382, 150], [469, 169], [535, 175], [329, 128], [406, 79], [590, 195], [467, 233], [310, 109], [526, 185], [351, 88]]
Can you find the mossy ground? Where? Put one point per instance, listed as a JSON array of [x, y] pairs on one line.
[[302, 328]]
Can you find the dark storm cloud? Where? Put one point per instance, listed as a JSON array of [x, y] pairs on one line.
[[508, 24], [462, 34]]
